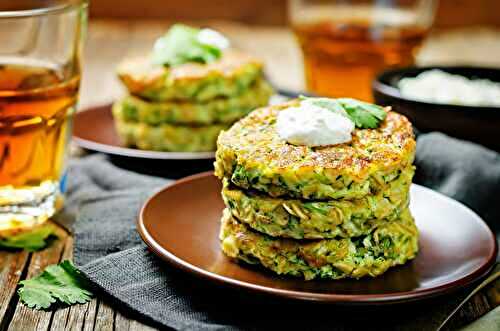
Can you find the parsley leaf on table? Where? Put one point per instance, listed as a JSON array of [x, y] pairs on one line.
[[33, 240], [61, 282]]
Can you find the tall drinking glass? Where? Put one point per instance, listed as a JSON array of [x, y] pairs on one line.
[[40, 54], [345, 43]]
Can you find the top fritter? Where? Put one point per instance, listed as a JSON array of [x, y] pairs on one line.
[[228, 76], [253, 156]]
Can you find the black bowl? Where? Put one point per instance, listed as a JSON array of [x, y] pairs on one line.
[[477, 124]]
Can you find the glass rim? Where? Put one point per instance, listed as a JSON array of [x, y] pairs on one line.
[[60, 8]]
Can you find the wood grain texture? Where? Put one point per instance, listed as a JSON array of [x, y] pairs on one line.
[[30, 319], [61, 316], [77, 317], [105, 317], [450, 13], [110, 41], [11, 271], [247, 11], [123, 322]]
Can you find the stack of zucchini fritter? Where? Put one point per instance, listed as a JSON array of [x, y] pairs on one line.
[[183, 108], [317, 212]]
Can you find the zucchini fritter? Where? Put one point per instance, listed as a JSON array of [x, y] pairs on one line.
[[169, 137], [299, 219], [388, 245], [228, 76], [253, 156], [218, 110]]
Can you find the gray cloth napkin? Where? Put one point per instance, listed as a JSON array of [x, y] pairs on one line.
[[489, 322], [104, 202]]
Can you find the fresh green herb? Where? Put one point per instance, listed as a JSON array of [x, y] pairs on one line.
[[240, 175], [61, 282], [386, 243], [182, 44], [31, 241], [327, 103], [364, 115]]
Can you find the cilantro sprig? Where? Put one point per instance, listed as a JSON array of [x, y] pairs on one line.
[[62, 282], [364, 115], [31, 241], [183, 44]]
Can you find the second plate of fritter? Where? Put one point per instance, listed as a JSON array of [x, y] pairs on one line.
[[94, 129], [456, 247]]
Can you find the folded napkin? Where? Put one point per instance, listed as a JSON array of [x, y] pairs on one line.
[[104, 202]]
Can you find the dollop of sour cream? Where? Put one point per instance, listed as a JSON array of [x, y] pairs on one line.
[[311, 125], [438, 86], [213, 38]]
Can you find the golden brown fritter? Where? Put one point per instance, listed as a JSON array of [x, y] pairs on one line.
[[228, 76], [299, 219], [388, 245], [252, 155]]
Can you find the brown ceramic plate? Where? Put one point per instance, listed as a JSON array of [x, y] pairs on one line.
[[181, 225], [93, 129]]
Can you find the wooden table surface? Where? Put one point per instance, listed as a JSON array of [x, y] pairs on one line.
[[108, 42]]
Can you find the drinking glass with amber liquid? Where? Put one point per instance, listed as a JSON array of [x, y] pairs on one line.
[[40, 52], [345, 43]]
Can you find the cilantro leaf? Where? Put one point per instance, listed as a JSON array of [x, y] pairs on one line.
[[363, 114], [180, 45], [326, 103], [31, 241], [61, 282]]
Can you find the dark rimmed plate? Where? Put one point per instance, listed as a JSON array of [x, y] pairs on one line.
[[94, 130], [180, 224]]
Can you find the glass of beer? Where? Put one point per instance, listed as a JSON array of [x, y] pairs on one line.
[[40, 66], [345, 43]]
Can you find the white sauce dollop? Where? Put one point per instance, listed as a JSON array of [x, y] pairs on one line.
[[310, 125], [213, 38], [441, 87]]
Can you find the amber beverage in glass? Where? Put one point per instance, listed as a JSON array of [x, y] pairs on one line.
[[346, 43], [40, 51]]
